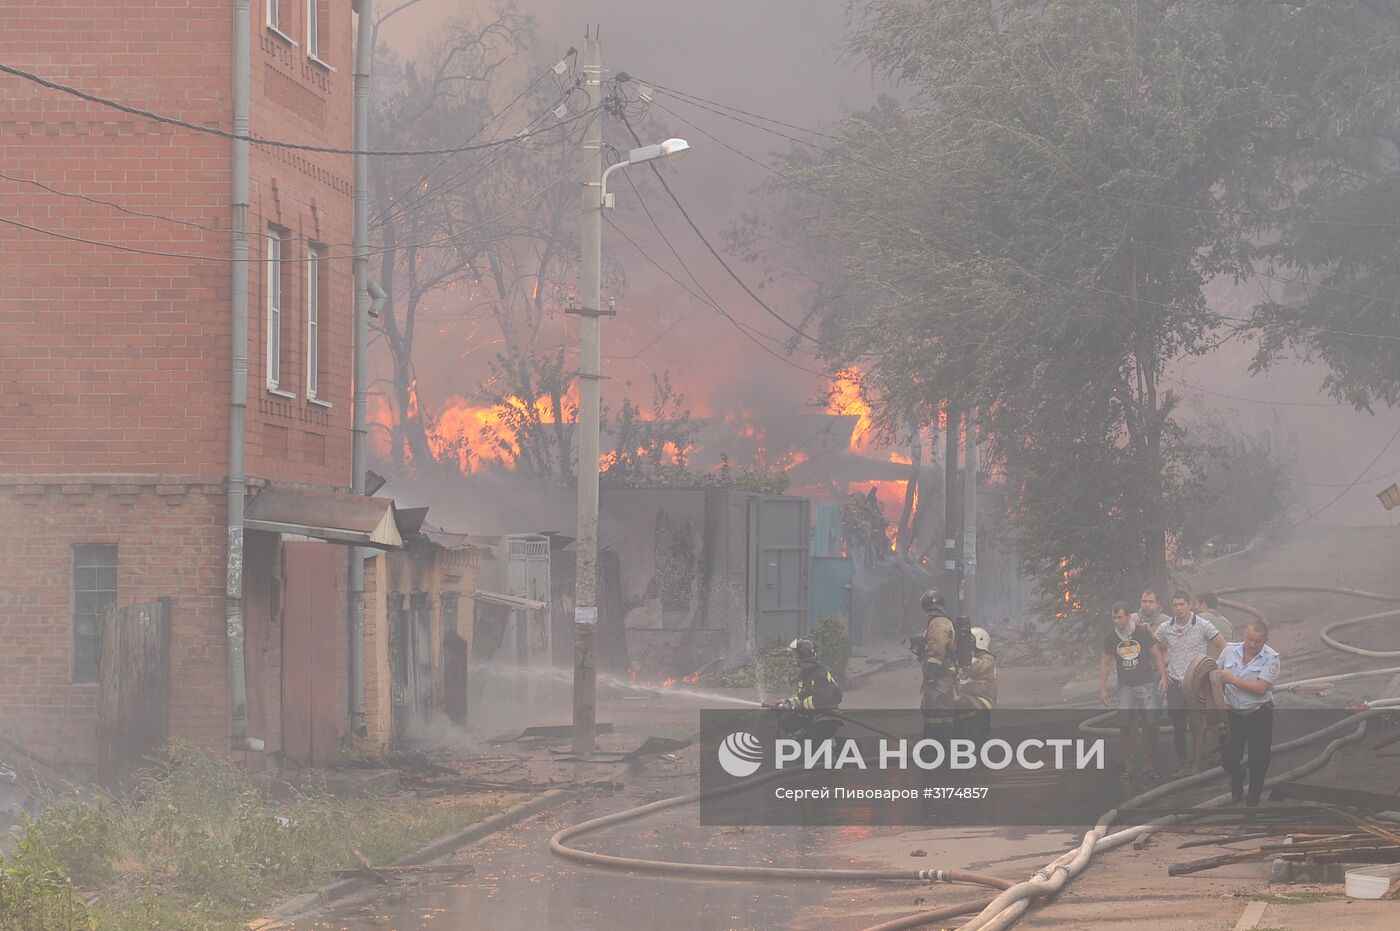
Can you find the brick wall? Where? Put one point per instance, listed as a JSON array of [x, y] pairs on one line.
[[170, 541], [118, 360], [114, 362]]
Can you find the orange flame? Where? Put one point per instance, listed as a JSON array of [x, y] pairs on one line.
[[847, 397]]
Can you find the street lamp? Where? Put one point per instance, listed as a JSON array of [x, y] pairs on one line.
[[595, 199], [671, 148]]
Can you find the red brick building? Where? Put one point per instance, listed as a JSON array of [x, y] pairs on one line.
[[115, 357]]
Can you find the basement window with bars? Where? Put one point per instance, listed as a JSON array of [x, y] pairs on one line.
[[94, 591]]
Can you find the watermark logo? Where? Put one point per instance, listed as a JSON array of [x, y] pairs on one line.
[[740, 754]]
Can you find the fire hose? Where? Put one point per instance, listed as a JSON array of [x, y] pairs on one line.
[[1004, 909]]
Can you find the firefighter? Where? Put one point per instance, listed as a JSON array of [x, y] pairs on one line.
[[977, 689], [816, 687], [937, 653]]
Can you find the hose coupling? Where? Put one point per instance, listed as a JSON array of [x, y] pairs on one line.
[[933, 876]]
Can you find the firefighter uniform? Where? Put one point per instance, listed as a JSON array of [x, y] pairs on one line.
[[816, 689], [977, 696], [938, 694]]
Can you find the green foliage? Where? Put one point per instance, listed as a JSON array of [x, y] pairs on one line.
[[833, 641], [81, 839], [35, 891], [773, 673], [208, 847], [864, 525], [1030, 230], [1240, 485], [651, 452], [756, 478]]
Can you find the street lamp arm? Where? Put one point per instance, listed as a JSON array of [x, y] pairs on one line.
[[603, 185]]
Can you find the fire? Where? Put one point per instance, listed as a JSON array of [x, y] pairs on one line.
[[1071, 603], [690, 679], [847, 397], [464, 433]]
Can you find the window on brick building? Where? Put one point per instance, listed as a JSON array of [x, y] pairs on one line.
[[313, 320], [94, 591], [273, 14], [313, 28], [275, 266]]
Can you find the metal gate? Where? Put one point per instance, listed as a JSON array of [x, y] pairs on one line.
[[779, 567], [527, 576]]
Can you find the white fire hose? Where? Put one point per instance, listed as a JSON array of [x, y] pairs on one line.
[[1006, 908]]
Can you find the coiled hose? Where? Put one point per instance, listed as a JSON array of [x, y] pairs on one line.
[[1003, 914], [1003, 910]]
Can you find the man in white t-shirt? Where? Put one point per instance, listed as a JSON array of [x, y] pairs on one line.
[[1185, 636]]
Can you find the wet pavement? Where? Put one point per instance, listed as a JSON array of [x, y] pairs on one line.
[[520, 886]]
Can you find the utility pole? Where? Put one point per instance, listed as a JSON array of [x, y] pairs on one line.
[[952, 511], [969, 527], [589, 412]]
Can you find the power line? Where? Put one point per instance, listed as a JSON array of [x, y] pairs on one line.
[[1221, 394], [441, 242], [1356, 481], [399, 207], [1013, 266], [115, 206], [256, 140], [708, 104], [743, 328], [714, 252]]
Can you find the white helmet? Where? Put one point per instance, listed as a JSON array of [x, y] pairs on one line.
[[981, 639]]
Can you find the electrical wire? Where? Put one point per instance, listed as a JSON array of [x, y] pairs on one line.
[[719, 258], [694, 98], [1231, 397], [451, 181], [743, 328], [1356, 481], [1010, 265], [155, 117]]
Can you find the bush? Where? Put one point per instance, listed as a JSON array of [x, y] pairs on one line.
[[80, 839], [833, 642], [35, 892]]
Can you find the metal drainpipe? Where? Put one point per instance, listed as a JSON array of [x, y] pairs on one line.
[[238, 385], [360, 276]]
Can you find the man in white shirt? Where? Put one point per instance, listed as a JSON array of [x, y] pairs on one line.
[[1185, 636], [1248, 671]]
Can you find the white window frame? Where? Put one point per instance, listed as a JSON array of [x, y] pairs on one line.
[[313, 28], [274, 17], [274, 309], [314, 254]]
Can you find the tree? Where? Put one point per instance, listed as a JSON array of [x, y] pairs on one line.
[[1333, 270], [480, 234], [1031, 234]]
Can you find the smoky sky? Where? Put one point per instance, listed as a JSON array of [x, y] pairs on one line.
[[783, 59]]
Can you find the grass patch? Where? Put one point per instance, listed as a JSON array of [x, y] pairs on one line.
[[198, 848], [1302, 898]]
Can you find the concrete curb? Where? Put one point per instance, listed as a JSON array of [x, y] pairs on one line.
[[308, 902], [1253, 914]]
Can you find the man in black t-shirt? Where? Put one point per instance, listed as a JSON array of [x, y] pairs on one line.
[[1134, 652]]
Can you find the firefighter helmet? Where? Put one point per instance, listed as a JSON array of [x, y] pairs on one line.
[[981, 639], [804, 648], [932, 601]]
